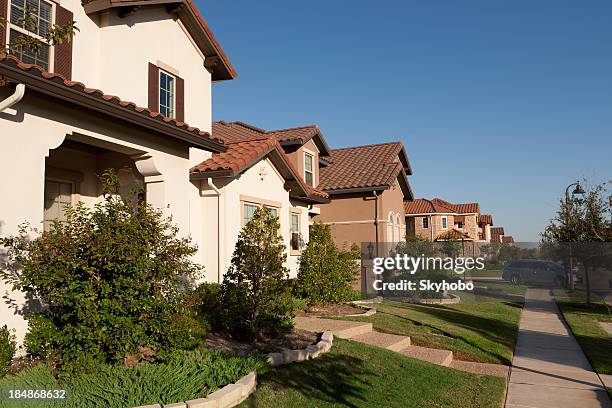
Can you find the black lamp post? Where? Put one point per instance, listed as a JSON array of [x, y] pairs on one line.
[[577, 191]]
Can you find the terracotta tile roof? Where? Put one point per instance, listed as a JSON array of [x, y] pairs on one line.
[[452, 234], [243, 154], [485, 219], [12, 66], [508, 239], [362, 166], [497, 231], [236, 131], [460, 208], [425, 206]]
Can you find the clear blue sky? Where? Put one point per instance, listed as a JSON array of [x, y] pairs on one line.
[[500, 102]]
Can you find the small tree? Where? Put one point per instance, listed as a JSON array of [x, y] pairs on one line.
[[255, 294], [326, 273], [112, 280]]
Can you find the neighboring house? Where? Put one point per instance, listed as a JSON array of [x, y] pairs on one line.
[[367, 186], [497, 234], [440, 220], [254, 171], [508, 239], [58, 134]]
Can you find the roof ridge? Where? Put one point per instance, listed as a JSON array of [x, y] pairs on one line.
[[248, 126], [254, 139], [368, 145], [294, 128]]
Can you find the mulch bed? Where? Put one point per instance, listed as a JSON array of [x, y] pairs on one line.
[[330, 310], [296, 339]]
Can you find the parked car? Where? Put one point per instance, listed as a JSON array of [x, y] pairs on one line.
[[534, 271]]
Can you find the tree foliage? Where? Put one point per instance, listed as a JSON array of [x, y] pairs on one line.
[[255, 294], [112, 280], [326, 272]]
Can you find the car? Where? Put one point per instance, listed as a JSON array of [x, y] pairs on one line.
[[534, 271]]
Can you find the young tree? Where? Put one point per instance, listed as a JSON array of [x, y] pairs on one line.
[[326, 273], [255, 294]]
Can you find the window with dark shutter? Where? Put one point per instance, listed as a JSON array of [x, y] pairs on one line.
[[63, 52], [166, 93], [153, 88], [180, 99]]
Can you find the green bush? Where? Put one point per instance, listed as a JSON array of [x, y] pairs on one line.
[[113, 278], [204, 302], [182, 375], [8, 346], [326, 273], [255, 296]]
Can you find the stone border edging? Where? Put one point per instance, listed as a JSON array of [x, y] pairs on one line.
[[369, 311], [454, 299], [226, 397], [310, 352]]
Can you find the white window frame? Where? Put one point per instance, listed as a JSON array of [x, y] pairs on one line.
[[297, 214], [173, 107], [312, 172], [73, 193], [444, 222], [244, 203], [8, 26]]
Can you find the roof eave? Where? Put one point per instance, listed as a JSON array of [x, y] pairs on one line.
[[356, 190], [70, 95]]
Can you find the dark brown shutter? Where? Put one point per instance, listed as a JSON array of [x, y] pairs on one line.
[[180, 99], [153, 88], [63, 52], [3, 16]]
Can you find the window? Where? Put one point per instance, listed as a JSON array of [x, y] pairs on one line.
[[444, 222], [295, 232], [166, 94], [58, 195], [308, 169], [36, 25], [425, 222], [459, 224], [248, 210]]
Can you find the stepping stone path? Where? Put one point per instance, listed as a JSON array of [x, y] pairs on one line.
[[364, 333]]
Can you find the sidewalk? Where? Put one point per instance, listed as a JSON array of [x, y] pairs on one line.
[[549, 368]]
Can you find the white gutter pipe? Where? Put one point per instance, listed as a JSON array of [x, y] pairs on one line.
[[14, 99], [219, 242]]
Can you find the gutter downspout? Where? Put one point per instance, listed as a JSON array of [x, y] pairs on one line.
[[219, 253], [376, 220], [14, 99]]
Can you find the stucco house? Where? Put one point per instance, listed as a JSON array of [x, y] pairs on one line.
[[255, 171], [440, 220], [367, 186]]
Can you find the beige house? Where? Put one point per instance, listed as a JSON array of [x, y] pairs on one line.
[[367, 186], [440, 220]]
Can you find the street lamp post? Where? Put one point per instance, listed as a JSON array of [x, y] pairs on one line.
[[577, 191]]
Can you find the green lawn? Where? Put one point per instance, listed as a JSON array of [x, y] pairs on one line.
[[497, 273], [584, 322], [357, 375], [480, 328]]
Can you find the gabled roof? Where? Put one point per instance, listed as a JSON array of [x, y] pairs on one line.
[[216, 60], [485, 219], [453, 234], [508, 239], [497, 231], [465, 208], [292, 136], [38, 80], [425, 206], [370, 167], [242, 155]]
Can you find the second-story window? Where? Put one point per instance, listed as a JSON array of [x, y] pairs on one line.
[[308, 169], [166, 94], [444, 222], [425, 222], [30, 18]]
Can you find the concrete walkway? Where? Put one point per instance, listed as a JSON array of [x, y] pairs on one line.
[[549, 368]]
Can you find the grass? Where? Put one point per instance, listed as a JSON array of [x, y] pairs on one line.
[[481, 328], [356, 375], [184, 376], [497, 273], [584, 323]]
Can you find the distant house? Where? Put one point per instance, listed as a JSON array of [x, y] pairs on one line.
[[497, 234], [509, 239], [440, 220], [367, 186]]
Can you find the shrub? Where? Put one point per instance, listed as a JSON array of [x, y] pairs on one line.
[[255, 296], [204, 302], [183, 375], [326, 273], [112, 278], [8, 346]]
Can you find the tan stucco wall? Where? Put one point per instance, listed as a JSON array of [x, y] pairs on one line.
[[296, 158]]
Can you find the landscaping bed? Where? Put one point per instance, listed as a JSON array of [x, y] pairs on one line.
[[339, 309], [295, 339], [358, 375]]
